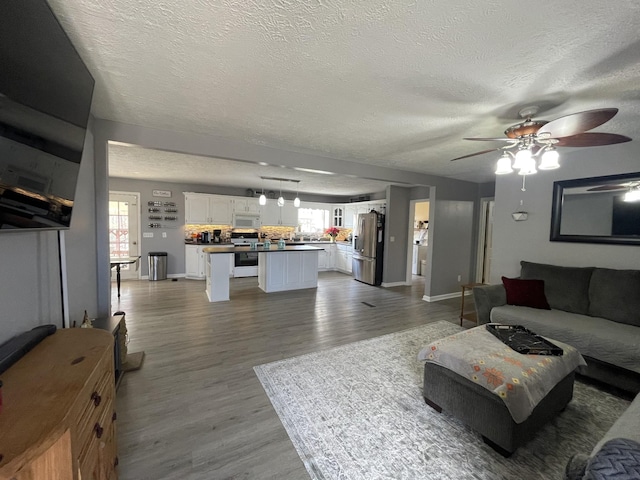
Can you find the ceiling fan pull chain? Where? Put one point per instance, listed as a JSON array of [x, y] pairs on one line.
[[523, 178]]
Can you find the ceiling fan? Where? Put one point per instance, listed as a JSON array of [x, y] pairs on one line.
[[531, 139]]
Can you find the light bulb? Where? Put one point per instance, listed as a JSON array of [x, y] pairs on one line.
[[632, 195], [522, 157], [296, 202], [528, 166], [281, 201], [263, 199], [504, 165], [549, 160]]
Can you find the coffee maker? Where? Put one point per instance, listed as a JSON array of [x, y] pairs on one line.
[[205, 237], [216, 236]]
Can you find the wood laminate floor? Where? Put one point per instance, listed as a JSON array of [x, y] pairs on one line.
[[196, 410]]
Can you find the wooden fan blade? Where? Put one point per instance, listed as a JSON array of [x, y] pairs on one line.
[[577, 122], [591, 140], [497, 139], [474, 154], [605, 188]]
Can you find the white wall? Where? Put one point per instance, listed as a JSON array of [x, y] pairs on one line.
[[529, 240]]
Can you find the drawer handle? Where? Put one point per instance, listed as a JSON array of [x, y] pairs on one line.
[[96, 398], [116, 461], [114, 417], [98, 429]]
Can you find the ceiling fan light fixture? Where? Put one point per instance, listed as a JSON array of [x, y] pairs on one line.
[[549, 160], [503, 166]]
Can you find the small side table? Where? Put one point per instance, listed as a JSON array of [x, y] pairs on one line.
[[469, 315]]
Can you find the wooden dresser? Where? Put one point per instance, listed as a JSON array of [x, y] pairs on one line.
[[58, 413]]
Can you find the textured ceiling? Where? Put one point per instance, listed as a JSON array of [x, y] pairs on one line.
[[394, 83], [130, 161]]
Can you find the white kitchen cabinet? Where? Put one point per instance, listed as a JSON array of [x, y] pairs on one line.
[[275, 216], [350, 212], [326, 257], [201, 208], [337, 219], [246, 205], [195, 262], [219, 210], [344, 255], [289, 215]]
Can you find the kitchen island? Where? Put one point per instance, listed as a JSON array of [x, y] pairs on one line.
[[293, 267]]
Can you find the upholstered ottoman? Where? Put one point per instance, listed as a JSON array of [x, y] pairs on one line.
[[504, 395]]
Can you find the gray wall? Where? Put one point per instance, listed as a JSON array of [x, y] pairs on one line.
[[529, 240], [396, 226], [30, 292], [454, 208]]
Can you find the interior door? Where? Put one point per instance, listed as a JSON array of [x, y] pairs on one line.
[[123, 230]]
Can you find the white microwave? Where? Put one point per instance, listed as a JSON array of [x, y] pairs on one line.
[[243, 220]]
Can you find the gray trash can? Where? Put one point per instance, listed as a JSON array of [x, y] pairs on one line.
[[157, 266]]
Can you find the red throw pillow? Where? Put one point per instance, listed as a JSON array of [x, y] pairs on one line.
[[525, 293]]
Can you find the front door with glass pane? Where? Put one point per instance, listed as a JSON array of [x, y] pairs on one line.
[[123, 230]]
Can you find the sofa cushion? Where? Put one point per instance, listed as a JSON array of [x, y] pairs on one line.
[[525, 293], [615, 295], [566, 288], [626, 426], [595, 337], [618, 459]]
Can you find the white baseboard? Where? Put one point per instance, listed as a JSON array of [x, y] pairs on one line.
[[394, 284], [437, 298]]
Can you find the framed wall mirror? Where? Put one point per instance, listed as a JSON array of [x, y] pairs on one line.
[[597, 210]]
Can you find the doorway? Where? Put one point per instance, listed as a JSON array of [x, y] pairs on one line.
[[418, 239], [124, 220], [485, 235]]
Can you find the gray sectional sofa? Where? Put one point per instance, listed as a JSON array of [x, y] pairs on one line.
[[616, 455], [597, 310]]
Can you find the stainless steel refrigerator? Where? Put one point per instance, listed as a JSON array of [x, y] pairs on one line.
[[368, 247]]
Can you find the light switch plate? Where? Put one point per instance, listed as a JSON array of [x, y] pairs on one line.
[[164, 234], [147, 235]]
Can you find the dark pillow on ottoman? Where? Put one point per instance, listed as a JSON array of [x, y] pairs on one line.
[[525, 293], [617, 459]]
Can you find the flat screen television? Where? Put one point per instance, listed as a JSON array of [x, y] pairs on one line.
[[45, 101]]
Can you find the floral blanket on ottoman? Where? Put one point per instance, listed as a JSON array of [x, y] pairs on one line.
[[522, 381]]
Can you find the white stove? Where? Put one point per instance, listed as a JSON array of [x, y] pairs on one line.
[[245, 263]]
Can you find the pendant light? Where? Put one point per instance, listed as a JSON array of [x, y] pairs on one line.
[[263, 199], [281, 198], [296, 201]]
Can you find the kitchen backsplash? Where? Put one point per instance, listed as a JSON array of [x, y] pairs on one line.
[[271, 232]]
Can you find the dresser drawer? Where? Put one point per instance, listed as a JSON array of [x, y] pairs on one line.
[[93, 403], [102, 437]]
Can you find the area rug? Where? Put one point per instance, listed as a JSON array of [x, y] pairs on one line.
[[356, 412]]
